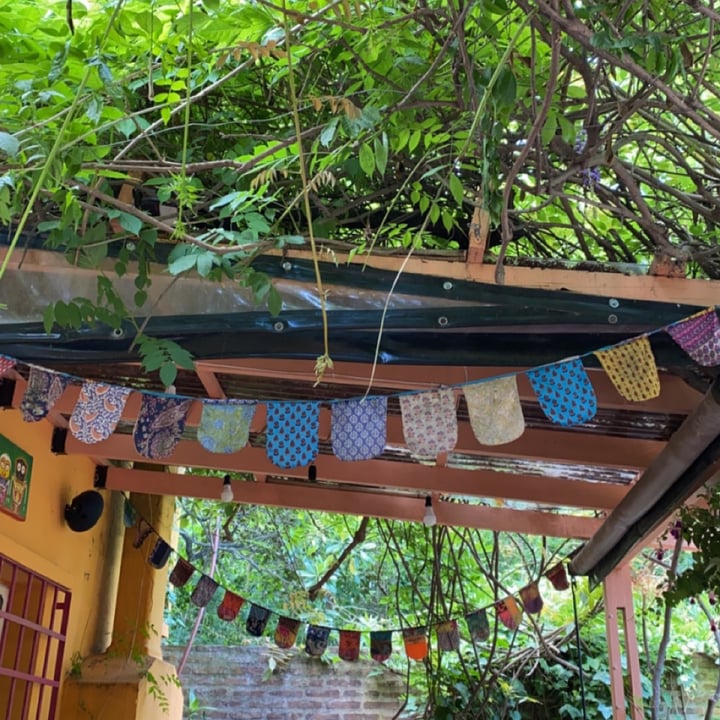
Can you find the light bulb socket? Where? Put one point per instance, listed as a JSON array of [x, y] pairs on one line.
[[226, 494]]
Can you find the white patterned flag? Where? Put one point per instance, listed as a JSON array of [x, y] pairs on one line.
[[429, 422], [496, 416]]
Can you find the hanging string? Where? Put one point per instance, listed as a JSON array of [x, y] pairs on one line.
[[579, 649]]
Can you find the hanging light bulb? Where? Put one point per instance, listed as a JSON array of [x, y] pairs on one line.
[[429, 518], [227, 494]]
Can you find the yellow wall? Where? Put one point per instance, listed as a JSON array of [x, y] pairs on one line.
[[43, 542]]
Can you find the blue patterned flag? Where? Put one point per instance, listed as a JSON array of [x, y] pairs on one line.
[[292, 433], [565, 392], [359, 428]]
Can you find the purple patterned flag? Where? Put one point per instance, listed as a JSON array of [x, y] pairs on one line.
[[204, 590], [292, 433], [159, 425], [43, 390], [316, 640], [429, 422], [558, 577], [699, 337], [531, 601], [160, 554], [225, 425], [564, 391], [98, 411], [359, 428]]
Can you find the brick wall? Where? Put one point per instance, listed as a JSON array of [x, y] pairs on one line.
[[236, 682]]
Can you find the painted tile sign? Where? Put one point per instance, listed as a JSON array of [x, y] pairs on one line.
[[15, 471]]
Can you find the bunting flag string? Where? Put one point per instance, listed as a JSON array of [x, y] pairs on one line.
[[416, 639], [359, 425]]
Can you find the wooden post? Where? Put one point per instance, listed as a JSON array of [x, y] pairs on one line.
[[619, 615]]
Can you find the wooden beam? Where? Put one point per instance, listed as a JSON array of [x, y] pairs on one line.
[[353, 502], [702, 293], [423, 479]]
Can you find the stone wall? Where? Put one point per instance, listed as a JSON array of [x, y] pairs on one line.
[[236, 682]]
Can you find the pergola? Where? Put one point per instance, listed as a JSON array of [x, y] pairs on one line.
[[398, 326]]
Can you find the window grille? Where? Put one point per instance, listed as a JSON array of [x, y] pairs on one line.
[[33, 625]]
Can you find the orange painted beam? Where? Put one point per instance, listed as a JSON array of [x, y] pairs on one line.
[[423, 479], [350, 502]]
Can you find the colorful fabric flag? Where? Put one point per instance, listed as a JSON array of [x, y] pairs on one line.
[[97, 411], [230, 606], [631, 368], [142, 531], [508, 612], [380, 645], [359, 428], [564, 392], [204, 590], [558, 577], [225, 425], [699, 337], [478, 625], [160, 554], [448, 637], [416, 644], [159, 425], [494, 409], [286, 632], [531, 601], [429, 422], [292, 433], [316, 640], [181, 573], [349, 646], [6, 365], [257, 620], [43, 390]]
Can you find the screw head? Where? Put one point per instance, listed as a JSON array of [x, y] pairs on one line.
[[447, 285], [612, 319], [279, 326], [614, 303]]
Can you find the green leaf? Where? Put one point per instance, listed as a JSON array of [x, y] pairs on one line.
[[168, 373], [274, 302], [9, 144], [48, 318], [505, 89], [367, 159], [182, 264], [456, 188], [380, 146], [328, 132], [130, 223]]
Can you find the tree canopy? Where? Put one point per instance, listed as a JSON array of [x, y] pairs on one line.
[[579, 132]]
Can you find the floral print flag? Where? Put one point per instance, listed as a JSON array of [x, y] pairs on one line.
[[43, 390], [225, 425], [160, 425], [429, 422], [97, 411]]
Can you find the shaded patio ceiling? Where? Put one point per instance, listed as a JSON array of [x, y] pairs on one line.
[[440, 330]]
